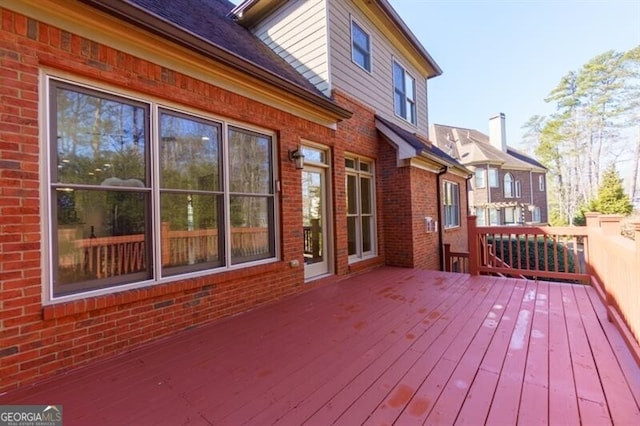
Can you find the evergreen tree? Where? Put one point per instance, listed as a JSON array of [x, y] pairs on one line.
[[611, 197]]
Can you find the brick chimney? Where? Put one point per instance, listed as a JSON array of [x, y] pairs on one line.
[[497, 132]]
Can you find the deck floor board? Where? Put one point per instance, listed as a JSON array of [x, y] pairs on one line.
[[391, 346]]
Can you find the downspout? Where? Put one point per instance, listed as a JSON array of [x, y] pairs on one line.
[[442, 171]]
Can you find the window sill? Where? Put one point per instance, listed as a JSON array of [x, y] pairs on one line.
[[198, 286]]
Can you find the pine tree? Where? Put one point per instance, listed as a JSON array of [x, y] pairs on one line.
[[611, 197]]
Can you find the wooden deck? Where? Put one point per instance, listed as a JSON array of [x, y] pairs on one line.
[[393, 346]]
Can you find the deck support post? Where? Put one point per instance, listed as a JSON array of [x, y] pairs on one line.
[[474, 249]]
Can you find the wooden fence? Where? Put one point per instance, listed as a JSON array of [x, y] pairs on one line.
[[596, 254]]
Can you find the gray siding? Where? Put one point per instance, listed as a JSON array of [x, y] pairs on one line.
[[374, 89], [298, 33]]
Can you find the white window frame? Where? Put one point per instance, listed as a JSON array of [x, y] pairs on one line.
[[366, 52], [451, 204], [153, 217], [541, 182], [359, 172], [407, 109], [518, 189]]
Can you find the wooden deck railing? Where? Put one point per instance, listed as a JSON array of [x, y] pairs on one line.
[[595, 254], [103, 257]]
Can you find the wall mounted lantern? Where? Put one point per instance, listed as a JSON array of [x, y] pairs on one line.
[[297, 157]]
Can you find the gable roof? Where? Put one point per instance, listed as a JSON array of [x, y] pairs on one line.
[[248, 12], [411, 145], [472, 147], [205, 27]]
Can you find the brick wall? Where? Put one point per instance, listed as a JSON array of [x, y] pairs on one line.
[[37, 341]]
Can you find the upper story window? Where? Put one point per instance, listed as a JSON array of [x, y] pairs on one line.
[[404, 93], [541, 182], [480, 176], [361, 208], [138, 192], [518, 187], [360, 46], [509, 186], [451, 204], [493, 178]]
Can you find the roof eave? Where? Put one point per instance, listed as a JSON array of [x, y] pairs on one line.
[[450, 165], [397, 20], [132, 13]]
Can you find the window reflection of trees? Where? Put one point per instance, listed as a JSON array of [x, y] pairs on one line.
[[101, 191]]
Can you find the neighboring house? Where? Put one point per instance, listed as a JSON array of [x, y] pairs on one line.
[[151, 166], [508, 187]]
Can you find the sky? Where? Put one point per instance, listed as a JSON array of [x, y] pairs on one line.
[[506, 56]]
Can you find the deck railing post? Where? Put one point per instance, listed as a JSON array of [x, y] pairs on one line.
[[447, 257], [474, 249], [610, 224], [593, 222]]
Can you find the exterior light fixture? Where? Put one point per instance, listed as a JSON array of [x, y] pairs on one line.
[[297, 157]]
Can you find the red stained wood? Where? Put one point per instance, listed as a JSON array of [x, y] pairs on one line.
[[390, 346]]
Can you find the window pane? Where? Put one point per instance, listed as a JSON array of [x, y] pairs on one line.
[[352, 197], [411, 111], [480, 216], [366, 233], [365, 189], [399, 104], [189, 153], [349, 163], [361, 58], [493, 217], [101, 239], [493, 178], [190, 229], [364, 166], [398, 79], [351, 235], [360, 38], [249, 162], [99, 138], [410, 88], [251, 228], [313, 155], [480, 173]]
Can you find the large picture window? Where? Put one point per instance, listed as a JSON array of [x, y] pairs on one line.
[[404, 93], [451, 204], [125, 213], [361, 223]]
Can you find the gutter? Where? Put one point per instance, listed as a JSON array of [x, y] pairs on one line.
[[155, 24]]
